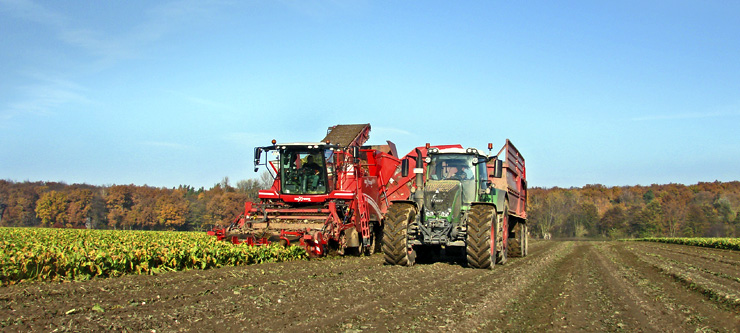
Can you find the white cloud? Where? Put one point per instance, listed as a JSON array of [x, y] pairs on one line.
[[47, 94], [50, 91]]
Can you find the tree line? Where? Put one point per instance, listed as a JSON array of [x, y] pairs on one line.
[[54, 204], [673, 210], [706, 209]]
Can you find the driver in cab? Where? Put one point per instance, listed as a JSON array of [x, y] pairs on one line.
[[458, 171], [311, 166]]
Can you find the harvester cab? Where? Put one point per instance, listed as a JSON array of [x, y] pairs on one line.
[[302, 168], [460, 201]]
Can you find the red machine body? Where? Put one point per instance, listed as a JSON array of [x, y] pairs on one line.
[[338, 204]]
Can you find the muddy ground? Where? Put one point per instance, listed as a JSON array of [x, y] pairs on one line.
[[560, 286]]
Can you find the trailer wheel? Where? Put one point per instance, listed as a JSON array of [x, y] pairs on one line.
[[395, 235], [502, 247], [481, 234], [519, 243], [524, 239]]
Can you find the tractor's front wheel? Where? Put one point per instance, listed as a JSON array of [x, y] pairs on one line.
[[481, 235], [396, 251]]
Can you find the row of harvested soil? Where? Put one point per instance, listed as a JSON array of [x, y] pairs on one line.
[[591, 286]]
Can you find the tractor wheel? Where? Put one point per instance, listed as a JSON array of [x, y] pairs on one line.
[[395, 235], [481, 234]]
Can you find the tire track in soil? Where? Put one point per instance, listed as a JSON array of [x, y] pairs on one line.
[[669, 303], [589, 286], [395, 303], [569, 295], [443, 306], [720, 271]]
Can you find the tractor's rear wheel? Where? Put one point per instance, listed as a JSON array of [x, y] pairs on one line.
[[395, 235], [481, 235]]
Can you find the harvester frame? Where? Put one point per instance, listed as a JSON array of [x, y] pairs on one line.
[[342, 207]]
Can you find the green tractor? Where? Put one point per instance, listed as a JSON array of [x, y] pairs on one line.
[[462, 200]]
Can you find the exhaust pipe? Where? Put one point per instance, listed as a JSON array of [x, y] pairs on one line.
[[419, 171]]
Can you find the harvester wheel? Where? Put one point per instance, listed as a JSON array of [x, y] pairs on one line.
[[395, 235], [375, 243], [377, 238], [481, 235]]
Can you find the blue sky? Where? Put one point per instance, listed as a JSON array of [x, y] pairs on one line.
[[169, 93]]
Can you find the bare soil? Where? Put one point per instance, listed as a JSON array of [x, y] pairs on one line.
[[560, 286]]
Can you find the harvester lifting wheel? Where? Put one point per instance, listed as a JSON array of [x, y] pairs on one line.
[[481, 235], [395, 235], [371, 249]]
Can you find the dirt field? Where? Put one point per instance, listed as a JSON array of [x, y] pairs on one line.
[[560, 286]]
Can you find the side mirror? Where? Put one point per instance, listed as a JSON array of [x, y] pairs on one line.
[[498, 166], [257, 155], [405, 167]]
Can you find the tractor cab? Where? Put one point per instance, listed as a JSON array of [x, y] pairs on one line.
[[465, 167], [455, 179]]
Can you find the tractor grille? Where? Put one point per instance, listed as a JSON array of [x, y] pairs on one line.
[[441, 185]]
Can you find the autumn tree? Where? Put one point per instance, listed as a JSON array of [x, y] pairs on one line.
[[250, 187], [79, 207], [613, 223], [171, 210], [118, 200], [51, 209], [143, 214]]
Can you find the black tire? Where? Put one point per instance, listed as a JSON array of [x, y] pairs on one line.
[[524, 238], [515, 243], [370, 250], [502, 252], [481, 234], [378, 238], [395, 235]]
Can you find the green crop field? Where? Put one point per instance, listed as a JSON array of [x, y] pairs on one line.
[[717, 243], [70, 254]]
